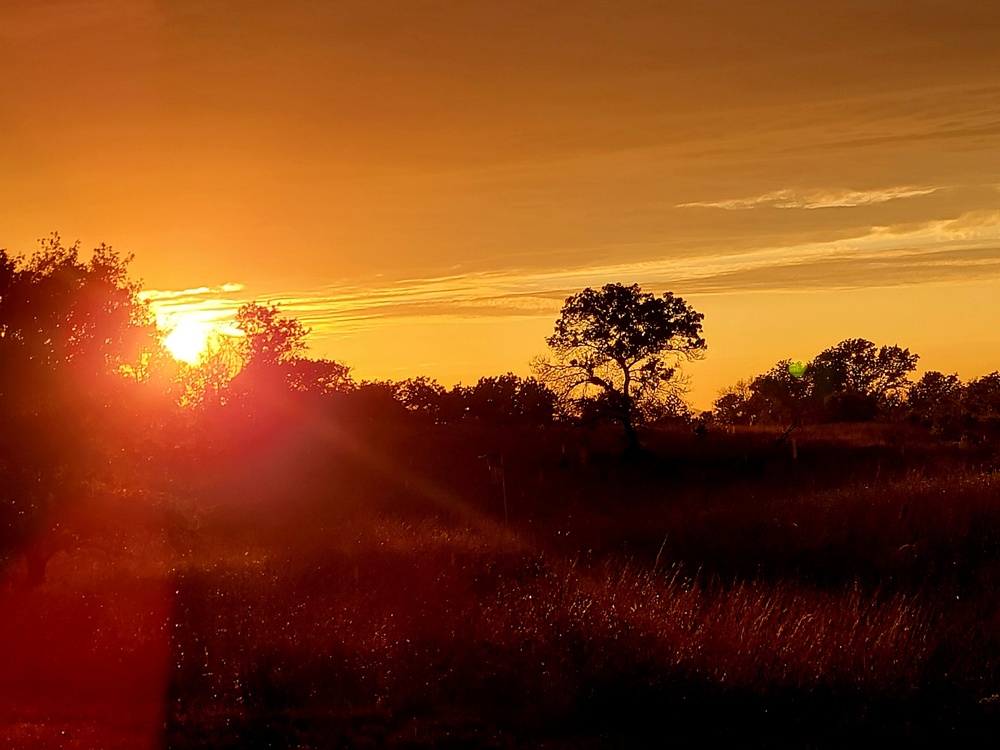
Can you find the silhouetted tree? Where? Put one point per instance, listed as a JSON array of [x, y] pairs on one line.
[[936, 402], [732, 407], [318, 376], [856, 380], [376, 402], [981, 403], [422, 395], [617, 352], [853, 381], [779, 397], [268, 338], [205, 383], [75, 343], [508, 398], [270, 352]]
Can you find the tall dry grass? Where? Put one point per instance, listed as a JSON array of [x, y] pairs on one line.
[[374, 597]]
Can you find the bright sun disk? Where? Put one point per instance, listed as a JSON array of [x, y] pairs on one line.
[[188, 339]]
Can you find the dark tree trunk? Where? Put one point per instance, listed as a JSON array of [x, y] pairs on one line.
[[626, 406], [632, 445]]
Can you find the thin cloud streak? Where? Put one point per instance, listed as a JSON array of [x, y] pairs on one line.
[[962, 249], [195, 293], [814, 199]]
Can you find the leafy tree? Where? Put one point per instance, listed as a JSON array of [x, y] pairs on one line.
[[935, 401], [206, 383], [270, 351], [779, 397], [732, 407], [617, 352], [260, 367], [956, 410], [422, 395], [981, 400], [268, 338], [76, 341], [376, 402], [509, 398], [58, 313], [856, 380], [852, 381], [318, 376]]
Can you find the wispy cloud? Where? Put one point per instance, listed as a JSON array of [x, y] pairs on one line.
[[961, 249], [195, 293], [813, 199]]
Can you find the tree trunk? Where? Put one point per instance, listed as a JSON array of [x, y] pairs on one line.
[[632, 446]]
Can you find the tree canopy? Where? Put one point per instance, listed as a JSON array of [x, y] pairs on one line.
[[853, 381], [75, 339], [58, 312], [617, 352], [269, 338]]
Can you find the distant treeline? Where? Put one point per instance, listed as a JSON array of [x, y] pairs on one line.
[[857, 381]]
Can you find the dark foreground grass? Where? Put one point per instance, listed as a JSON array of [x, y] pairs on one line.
[[420, 635], [713, 591]]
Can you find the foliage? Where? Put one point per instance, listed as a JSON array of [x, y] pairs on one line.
[[732, 406], [778, 396], [981, 400], [857, 380], [57, 312], [854, 381], [75, 343], [264, 361], [503, 399], [509, 398], [206, 383], [617, 352], [955, 410], [935, 401], [268, 338], [422, 395], [318, 376]]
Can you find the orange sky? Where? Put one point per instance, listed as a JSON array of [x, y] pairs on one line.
[[424, 182]]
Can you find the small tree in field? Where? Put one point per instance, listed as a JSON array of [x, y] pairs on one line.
[[617, 352]]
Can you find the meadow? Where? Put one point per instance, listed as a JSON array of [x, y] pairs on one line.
[[419, 585]]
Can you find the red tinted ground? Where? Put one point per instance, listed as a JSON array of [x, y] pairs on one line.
[[84, 653]]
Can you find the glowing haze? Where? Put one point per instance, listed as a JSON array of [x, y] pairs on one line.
[[423, 183]]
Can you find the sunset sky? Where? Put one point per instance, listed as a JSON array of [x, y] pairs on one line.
[[423, 183]]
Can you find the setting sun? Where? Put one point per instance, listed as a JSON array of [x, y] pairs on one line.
[[188, 339]]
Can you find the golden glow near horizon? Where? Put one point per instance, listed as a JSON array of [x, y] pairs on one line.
[[423, 185], [187, 339]]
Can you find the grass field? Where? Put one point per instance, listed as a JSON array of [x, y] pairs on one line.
[[365, 591]]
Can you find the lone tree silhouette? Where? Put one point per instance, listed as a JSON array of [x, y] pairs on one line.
[[617, 352]]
